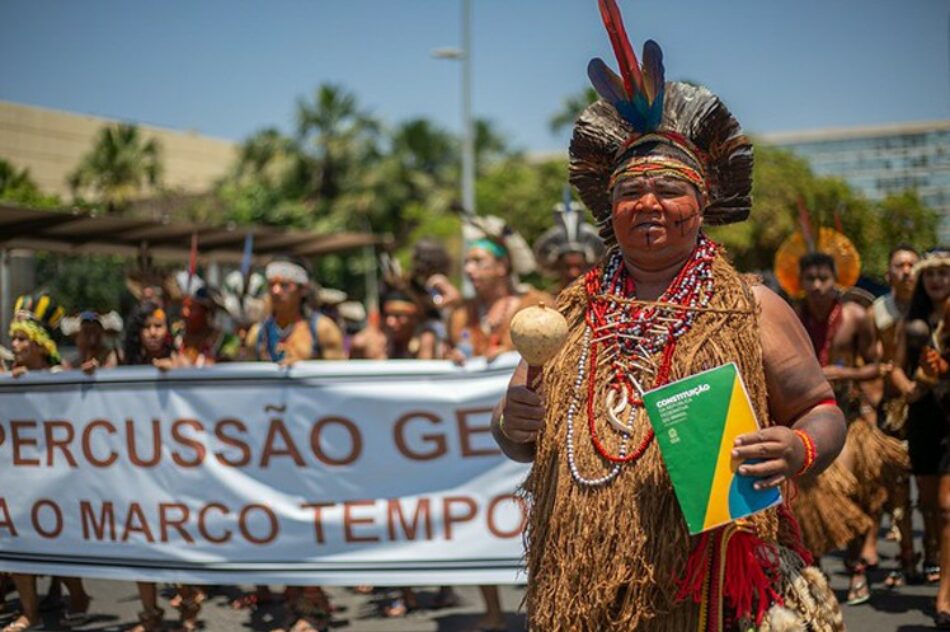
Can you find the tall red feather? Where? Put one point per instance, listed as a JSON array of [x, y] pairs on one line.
[[805, 221], [629, 66]]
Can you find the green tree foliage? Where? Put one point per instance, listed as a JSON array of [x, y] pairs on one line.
[[122, 166], [571, 108], [17, 187], [81, 282], [524, 193], [781, 181]]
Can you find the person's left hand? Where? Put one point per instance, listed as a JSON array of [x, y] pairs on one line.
[[89, 366], [779, 451]]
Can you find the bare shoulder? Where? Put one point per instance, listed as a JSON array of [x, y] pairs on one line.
[[326, 327], [855, 313], [793, 376], [771, 304]]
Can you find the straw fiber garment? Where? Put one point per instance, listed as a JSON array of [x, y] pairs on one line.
[[609, 558], [828, 512]]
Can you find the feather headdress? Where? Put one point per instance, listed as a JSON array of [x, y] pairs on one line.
[[638, 102], [570, 233]]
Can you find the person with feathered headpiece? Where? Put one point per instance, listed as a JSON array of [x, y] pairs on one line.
[[571, 247], [35, 318], [607, 545], [94, 334]]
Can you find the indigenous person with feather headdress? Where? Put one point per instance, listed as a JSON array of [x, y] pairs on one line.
[[34, 320], [571, 247], [842, 506], [607, 544], [94, 334]]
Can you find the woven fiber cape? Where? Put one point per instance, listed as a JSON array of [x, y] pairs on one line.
[[610, 558]]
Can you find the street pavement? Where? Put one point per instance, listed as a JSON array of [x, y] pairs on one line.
[[115, 605]]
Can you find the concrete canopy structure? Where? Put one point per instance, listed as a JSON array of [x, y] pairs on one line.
[[83, 233]]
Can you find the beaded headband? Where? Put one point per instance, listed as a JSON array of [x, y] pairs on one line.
[[660, 166]]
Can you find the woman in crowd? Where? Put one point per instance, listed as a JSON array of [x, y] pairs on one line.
[[149, 342], [918, 377]]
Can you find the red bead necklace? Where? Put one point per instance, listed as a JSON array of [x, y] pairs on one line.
[[631, 332]]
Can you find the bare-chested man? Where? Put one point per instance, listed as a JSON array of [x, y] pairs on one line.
[[842, 335]]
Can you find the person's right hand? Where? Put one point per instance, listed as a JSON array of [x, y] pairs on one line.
[[89, 366], [163, 364], [932, 364], [448, 295], [523, 415]]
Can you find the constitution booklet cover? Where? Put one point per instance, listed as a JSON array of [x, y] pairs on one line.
[[696, 421]]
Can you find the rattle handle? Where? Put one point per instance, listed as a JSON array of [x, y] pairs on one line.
[[535, 375]]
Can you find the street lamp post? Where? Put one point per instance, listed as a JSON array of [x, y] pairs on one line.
[[464, 55]]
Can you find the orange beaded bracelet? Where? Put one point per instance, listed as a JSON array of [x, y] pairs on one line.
[[811, 452]]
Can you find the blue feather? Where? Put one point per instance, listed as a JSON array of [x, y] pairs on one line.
[[606, 82]]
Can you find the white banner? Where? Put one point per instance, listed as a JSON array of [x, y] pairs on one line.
[[329, 473]]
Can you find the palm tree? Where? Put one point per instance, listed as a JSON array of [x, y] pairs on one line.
[[573, 106], [120, 166], [337, 137], [267, 158], [422, 146], [17, 186]]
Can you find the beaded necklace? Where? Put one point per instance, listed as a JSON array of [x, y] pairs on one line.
[[628, 335], [822, 333]]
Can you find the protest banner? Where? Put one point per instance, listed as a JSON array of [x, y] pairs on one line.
[[334, 473]]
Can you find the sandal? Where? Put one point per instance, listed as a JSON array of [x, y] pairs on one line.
[[942, 620], [310, 624], [907, 573], [21, 624], [859, 591], [932, 573], [895, 579], [188, 614], [395, 609], [150, 621]]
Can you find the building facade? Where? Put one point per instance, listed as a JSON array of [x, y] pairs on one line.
[[878, 161], [50, 143]]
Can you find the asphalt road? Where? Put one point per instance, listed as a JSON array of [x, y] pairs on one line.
[[115, 605]]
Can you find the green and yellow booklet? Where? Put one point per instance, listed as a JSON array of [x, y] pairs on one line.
[[696, 421]]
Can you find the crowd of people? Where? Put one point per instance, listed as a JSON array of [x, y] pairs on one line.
[[885, 357], [851, 391], [282, 315]]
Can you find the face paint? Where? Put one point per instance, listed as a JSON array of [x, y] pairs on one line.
[[653, 214]]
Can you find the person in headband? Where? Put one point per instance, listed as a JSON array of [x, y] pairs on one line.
[[293, 332], [655, 161]]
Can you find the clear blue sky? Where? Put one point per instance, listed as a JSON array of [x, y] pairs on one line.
[[228, 68]]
